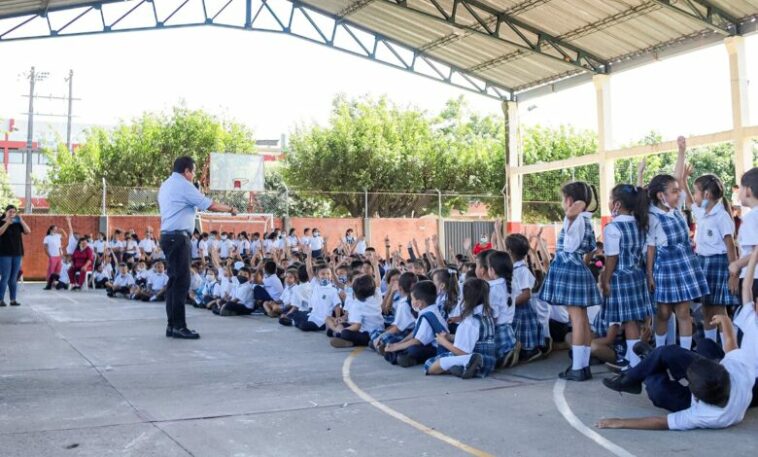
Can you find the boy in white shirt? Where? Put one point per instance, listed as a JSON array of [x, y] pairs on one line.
[[155, 288], [271, 288], [324, 298], [747, 238], [122, 283], [364, 315], [62, 278], [316, 244], [420, 345], [718, 394], [241, 303]]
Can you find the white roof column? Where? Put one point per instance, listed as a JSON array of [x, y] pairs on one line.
[[604, 142], [514, 159], [743, 154]]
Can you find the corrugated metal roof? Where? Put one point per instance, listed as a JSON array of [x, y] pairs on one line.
[[521, 44]]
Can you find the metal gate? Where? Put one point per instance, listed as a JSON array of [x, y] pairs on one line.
[[457, 231]]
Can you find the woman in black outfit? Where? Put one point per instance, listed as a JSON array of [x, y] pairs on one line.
[[11, 251]]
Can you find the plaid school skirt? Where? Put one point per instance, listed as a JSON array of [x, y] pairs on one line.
[[678, 276], [716, 270], [527, 326], [488, 363], [630, 299], [390, 338], [505, 340], [570, 283]]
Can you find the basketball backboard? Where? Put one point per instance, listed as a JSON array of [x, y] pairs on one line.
[[236, 172]]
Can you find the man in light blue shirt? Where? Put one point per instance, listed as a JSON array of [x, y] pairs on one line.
[[179, 200]]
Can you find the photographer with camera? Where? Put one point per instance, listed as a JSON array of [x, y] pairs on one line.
[[11, 251]]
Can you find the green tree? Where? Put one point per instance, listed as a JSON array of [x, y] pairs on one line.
[[138, 154], [7, 196], [376, 146]]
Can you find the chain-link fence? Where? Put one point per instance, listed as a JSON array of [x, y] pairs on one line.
[[104, 199]]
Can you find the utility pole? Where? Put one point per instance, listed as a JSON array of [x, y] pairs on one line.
[[33, 78], [70, 80], [29, 141]]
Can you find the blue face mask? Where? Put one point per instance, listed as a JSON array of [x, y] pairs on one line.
[[324, 282], [704, 203], [342, 279]]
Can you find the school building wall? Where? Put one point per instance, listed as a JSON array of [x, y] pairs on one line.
[[400, 231]]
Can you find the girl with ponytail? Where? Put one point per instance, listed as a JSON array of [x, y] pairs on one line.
[[674, 273], [623, 280], [569, 281], [714, 245]]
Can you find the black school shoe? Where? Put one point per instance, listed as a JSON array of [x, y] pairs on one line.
[[406, 361], [473, 366], [285, 321], [15, 303], [621, 383], [2, 303], [185, 334], [642, 349], [583, 374], [169, 332]]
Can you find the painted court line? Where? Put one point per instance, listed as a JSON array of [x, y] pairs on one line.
[[560, 402], [400, 416]]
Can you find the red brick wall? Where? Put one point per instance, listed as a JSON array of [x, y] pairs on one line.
[[35, 260], [138, 223], [401, 231]]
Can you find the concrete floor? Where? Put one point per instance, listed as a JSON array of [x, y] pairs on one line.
[[84, 375]]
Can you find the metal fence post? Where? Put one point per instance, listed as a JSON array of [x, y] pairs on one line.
[[440, 226], [103, 210], [365, 203]]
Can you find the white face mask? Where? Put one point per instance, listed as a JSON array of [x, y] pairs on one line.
[[223, 237]]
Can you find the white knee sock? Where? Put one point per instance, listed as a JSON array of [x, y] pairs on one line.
[[671, 330], [587, 356], [685, 342], [630, 355], [577, 357], [711, 334], [660, 340]]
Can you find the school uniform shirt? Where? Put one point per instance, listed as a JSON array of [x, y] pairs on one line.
[[273, 286], [367, 313], [72, 242], [100, 275], [244, 247], [287, 295], [522, 278], [293, 243], [157, 281], [147, 245], [255, 246], [158, 255], [306, 240], [64, 273], [268, 245], [301, 296], [117, 245], [712, 227], [748, 237], [404, 319], [467, 333], [224, 247], [323, 301], [317, 243], [196, 282], [142, 274], [194, 251], [741, 366], [99, 246], [244, 295], [612, 236], [202, 248], [53, 242], [499, 296], [132, 247], [121, 280], [656, 236], [425, 333], [360, 248]]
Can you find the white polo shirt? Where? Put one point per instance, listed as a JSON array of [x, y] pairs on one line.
[[273, 286], [425, 334], [53, 243], [323, 301], [748, 237], [502, 313], [611, 236], [711, 229], [367, 313], [573, 232], [403, 317]]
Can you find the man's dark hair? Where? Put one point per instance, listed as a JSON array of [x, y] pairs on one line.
[[406, 282], [363, 287], [425, 291], [183, 163], [709, 382]]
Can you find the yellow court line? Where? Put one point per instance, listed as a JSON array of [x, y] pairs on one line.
[[400, 416]]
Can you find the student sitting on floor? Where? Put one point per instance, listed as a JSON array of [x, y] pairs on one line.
[[122, 283], [364, 316], [301, 297], [242, 303], [62, 280], [102, 275], [155, 288], [404, 320], [718, 394], [473, 351], [324, 299], [211, 290], [276, 308], [421, 345]]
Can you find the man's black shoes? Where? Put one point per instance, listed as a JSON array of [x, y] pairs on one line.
[[183, 333], [622, 383]]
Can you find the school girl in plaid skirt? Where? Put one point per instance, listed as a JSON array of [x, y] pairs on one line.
[[672, 268], [714, 246], [569, 282], [623, 281]]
